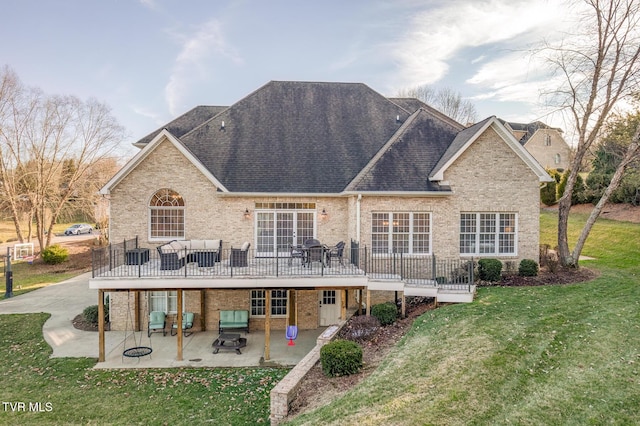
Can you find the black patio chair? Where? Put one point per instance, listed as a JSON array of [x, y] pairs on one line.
[[337, 252]]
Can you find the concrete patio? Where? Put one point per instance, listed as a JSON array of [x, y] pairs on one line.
[[198, 351]]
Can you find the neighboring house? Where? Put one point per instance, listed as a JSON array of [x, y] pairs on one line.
[[544, 143], [406, 188]]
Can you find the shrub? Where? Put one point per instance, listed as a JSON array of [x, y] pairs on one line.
[[548, 193], [360, 328], [90, 314], [341, 358], [489, 269], [386, 313], [528, 268], [55, 254]]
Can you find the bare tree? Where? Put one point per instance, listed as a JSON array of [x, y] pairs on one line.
[[445, 100], [599, 68], [40, 136]]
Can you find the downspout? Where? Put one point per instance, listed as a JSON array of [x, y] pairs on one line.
[[358, 217]]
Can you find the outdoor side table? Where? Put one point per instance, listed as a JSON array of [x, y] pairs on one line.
[[137, 256], [230, 341]]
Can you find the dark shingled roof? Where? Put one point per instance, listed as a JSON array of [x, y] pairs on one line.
[[296, 137], [407, 162], [185, 122], [314, 137], [528, 128]]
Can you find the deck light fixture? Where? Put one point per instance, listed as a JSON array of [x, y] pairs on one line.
[[247, 215]]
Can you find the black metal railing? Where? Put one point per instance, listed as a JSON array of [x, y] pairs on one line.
[[129, 260]]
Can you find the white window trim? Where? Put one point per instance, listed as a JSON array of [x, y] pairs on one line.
[[390, 235], [272, 315], [497, 245], [165, 238], [165, 296]]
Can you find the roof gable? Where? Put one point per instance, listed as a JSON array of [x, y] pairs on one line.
[[163, 135], [465, 138]]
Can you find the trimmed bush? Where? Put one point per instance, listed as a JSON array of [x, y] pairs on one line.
[[90, 314], [528, 268], [360, 328], [386, 313], [55, 254], [341, 358], [489, 270]]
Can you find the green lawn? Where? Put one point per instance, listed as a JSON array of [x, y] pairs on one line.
[[68, 391], [536, 355]]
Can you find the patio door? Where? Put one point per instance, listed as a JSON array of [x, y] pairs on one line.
[[277, 229], [330, 306]]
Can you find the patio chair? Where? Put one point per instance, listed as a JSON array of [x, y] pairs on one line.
[[337, 252], [315, 251], [187, 324], [239, 256], [157, 323], [296, 252]]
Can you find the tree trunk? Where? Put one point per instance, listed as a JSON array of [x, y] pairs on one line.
[[629, 156]]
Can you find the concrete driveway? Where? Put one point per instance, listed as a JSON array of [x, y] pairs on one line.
[[63, 301]]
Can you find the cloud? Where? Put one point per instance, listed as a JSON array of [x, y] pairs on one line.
[[437, 35], [194, 62]]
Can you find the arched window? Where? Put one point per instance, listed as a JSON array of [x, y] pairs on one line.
[[166, 215], [557, 158]]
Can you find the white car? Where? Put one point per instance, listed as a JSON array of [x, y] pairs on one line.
[[79, 228]]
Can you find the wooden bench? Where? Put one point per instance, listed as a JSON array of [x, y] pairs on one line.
[[233, 319]]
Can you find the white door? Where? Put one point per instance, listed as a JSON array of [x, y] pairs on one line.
[[330, 307]]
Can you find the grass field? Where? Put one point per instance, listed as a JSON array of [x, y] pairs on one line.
[[523, 355], [535, 355], [68, 391]]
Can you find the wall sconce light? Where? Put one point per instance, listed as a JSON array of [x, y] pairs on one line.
[[323, 214], [247, 215]]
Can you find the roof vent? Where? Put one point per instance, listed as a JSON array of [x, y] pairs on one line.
[[398, 118], [222, 125]]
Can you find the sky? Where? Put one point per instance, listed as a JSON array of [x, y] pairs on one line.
[[152, 60]]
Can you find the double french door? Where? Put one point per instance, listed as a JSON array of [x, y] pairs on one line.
[[276, 230]]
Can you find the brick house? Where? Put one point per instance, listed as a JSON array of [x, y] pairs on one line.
[[545, 143], [403, 186]]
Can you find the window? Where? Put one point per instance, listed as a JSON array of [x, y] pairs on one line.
[[401, 233], [556, 159], [488, 233], [279, 300], [281, 224], [164, 301], [547, 140], [166, 215]]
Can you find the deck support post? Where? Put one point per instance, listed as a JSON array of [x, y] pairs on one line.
[[179, 323], [101, 354], [267, 324], [368, 301]]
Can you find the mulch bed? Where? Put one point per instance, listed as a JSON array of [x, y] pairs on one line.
[[80, 323]]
